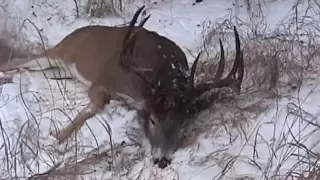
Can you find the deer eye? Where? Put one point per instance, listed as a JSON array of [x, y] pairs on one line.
[[152, 121]]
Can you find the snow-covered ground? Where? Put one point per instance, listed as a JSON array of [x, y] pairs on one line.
[[269, 145]]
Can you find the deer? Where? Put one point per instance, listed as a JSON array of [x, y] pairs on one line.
[[174, 99], [141, 68]]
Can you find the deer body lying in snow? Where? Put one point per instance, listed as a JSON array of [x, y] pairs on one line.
[[93, 55], [141, 67]]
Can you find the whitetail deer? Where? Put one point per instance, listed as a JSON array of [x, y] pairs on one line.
[[174, 99], [139, 66]]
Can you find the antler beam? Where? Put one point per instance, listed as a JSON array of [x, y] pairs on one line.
[[234, 78], [128, 43]]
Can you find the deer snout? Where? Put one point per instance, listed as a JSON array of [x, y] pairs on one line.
[[163, 162], [164, 138], [162, 158]]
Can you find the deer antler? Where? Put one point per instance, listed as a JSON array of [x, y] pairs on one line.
[[193, 70], [130, 36], [127, 52], [127, 48], [128, 42], [132, 23], [231, 80]]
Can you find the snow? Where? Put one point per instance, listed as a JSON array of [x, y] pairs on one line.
[[32, 106]]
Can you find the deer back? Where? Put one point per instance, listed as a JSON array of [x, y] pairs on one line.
[[154, 51], [150, 50], [95, 51]]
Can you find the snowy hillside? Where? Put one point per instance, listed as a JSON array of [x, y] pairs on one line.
[[259, 134]]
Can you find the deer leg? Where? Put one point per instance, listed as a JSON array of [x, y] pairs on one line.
[[98, 96]]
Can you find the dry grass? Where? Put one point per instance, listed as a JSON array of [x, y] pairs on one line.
[[276, 62], [272, 60], [101, 8]]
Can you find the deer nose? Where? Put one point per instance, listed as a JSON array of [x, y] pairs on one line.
[[164, 162]]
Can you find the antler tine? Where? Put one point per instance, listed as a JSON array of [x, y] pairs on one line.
[[221, 62], [128, 41], [144, 21], [193, 70], [131, 25], [231, 80], [239, 56], [190, 88], [238, 65]]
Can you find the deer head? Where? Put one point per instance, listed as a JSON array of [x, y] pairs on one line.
[[173, 98]]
